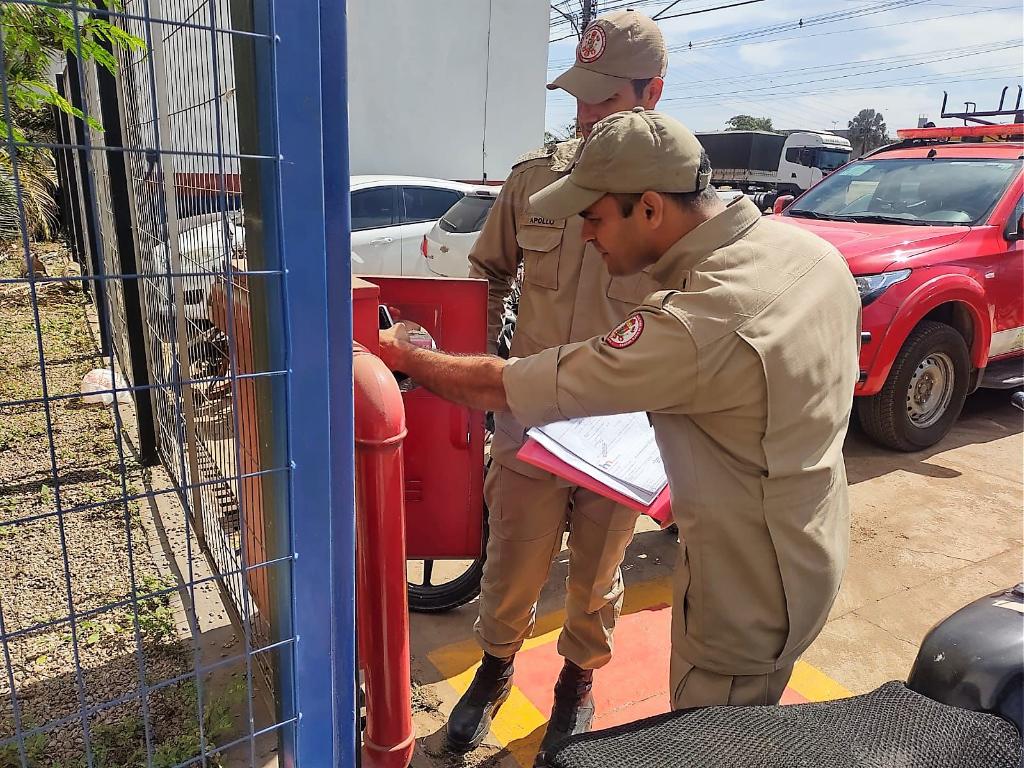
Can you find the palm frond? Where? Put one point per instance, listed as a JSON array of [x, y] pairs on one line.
[[37, 185]]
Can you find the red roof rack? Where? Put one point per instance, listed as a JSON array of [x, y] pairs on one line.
[[963, 132]]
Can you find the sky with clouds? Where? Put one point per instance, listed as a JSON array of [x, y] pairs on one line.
[[894, 57]]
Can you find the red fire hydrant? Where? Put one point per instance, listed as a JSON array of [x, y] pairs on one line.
[[381, 596]]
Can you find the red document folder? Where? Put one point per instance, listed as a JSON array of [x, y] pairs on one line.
[[536, 454]]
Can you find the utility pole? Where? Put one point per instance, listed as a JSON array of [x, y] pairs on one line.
[[589, 11]]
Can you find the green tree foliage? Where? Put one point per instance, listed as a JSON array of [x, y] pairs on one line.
[[33, 36], [37, 175], [867, 131], [748, 123]]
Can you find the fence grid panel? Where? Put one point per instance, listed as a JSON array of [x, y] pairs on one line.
[[157, 615]]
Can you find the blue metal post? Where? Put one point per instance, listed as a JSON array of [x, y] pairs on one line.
[[314, 234], [334, 92]]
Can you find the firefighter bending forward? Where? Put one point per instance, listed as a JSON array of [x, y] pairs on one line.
[[744, 354]]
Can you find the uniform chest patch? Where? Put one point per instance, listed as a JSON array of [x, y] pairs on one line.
[[592, 44], [540, 221], [627, 333]]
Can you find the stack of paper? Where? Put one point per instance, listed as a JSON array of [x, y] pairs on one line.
[[618, 451]]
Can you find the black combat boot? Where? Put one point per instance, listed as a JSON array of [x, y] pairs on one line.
[[573, 711], [471, 718]]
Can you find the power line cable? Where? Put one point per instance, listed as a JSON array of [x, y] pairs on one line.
[[942, 55], [824, 112], [813, 21], [712, 8], [865, 29], [930, 80], [678, 15], [890, 5], [879, 70], [842, 65], [802, 121]]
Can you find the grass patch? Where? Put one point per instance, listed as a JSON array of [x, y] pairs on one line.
[[35, 752], [156, 614], [122, 744]]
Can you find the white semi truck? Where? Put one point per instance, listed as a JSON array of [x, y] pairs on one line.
[[760, 161]]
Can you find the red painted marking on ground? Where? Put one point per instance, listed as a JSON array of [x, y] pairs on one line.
[[790, 696], [632, 686]]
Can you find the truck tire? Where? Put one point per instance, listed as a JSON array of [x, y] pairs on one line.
[[924, 392]]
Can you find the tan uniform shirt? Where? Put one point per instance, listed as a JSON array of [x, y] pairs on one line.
[[746, 364], [567, 293]]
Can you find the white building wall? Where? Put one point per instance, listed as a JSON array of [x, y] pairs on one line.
[[445, 88]]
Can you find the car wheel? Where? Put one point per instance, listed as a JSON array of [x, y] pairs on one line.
[[924, 392], [427, 595]]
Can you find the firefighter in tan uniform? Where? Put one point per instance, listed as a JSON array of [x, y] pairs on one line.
[[745, 357], [567, 295]]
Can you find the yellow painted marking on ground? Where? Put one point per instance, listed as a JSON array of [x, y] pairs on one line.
[[815, 685], [516, 721], [518, 724], [519, 718]]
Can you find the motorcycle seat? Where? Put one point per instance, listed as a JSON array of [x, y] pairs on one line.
[[891, 727]]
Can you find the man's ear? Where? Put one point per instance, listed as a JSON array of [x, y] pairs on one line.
[[652, 208], [652, 93]]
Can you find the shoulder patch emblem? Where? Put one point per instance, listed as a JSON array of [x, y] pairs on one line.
[[592, 44], [627, 333]]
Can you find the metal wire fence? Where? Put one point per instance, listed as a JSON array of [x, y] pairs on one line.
[[151, 615], [181, 101]]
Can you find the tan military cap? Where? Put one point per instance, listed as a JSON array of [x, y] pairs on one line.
[[628, 152], [615, 48]]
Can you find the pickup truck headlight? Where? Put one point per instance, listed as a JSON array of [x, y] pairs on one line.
[[873, 286]]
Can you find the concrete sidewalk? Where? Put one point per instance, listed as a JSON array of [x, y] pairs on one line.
[[931, 531]]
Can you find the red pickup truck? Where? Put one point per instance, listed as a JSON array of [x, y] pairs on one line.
[[932, 228]]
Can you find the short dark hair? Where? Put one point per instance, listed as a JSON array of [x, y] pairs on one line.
[[640, 85], [688, 200]]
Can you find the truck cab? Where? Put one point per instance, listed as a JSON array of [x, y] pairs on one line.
[[765, 161], [932, 228], [809, 156]]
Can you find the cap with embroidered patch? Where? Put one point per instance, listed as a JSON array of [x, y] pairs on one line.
[[628, 152], [615, 49]]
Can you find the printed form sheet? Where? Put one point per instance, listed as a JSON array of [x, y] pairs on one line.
[[619, 451]]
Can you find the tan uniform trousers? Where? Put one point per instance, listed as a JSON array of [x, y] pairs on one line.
[[696, 687], [527, 519], [693, 686]]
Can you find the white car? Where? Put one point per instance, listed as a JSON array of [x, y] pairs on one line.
[[728, 194], [445, 248], [390, 215]]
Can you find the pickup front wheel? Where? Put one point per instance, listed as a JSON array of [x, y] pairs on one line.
[[924, 392]]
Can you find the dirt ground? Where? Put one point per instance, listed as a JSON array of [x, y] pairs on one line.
[[931, 531], [116, 551]]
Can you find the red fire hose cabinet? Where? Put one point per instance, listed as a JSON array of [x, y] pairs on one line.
[[419, 486]]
